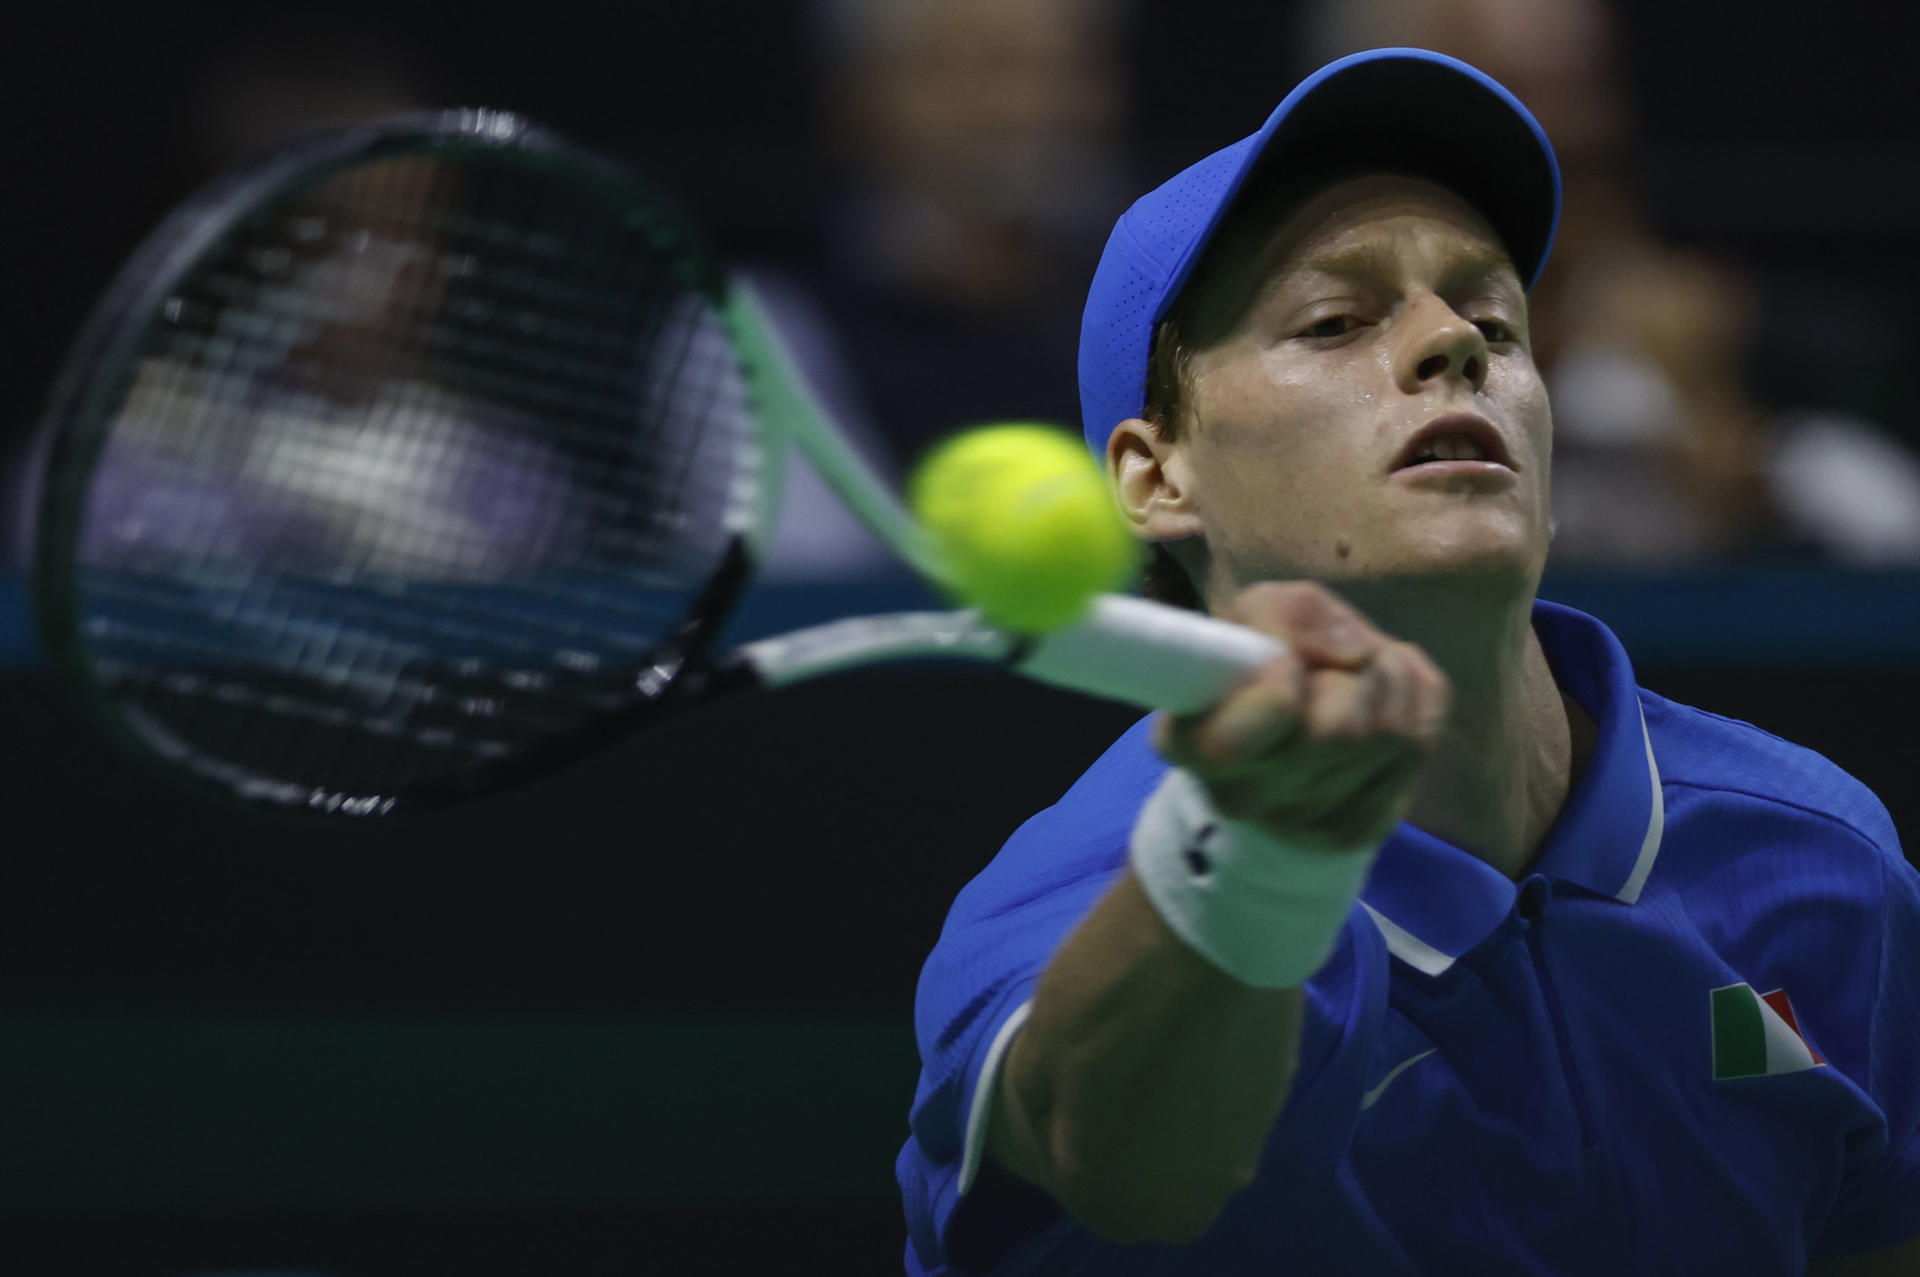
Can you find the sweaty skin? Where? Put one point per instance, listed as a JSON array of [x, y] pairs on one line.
[[1376, 307]]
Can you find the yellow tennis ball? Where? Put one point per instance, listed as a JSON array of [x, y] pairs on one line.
[[1023, 522]]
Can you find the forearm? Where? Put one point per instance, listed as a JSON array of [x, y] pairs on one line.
[[1165, 1031], [1141, 1089]]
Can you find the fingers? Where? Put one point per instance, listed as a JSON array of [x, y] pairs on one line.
[[1311, 619], [1396, 689], [1325, 742], [1398, 694], [1344, 705], [1259, 716], [1321, 633]]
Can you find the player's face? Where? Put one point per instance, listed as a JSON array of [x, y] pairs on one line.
[[1372, 409]]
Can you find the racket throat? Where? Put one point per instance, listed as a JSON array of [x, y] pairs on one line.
[[677, 661]]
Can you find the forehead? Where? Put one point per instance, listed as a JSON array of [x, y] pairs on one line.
[[1377, 219], [1380, 211]]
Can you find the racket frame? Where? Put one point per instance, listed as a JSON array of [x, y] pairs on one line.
[[83, 405]]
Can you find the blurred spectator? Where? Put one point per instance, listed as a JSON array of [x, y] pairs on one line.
[[283, 73], [977, 145], [980, 148], [1662, 457], [271, 77]]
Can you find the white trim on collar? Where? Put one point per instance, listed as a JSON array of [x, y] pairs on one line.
[[1406, 946], [1423, 957], [1656, 823]]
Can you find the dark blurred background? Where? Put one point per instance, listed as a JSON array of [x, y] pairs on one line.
[[653, 1014]]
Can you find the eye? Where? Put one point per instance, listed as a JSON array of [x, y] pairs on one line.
[[1331, 326], [1494, 331]]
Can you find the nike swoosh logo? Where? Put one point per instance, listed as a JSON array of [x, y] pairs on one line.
[[1366, 1101]]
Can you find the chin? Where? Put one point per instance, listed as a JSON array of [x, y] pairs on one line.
[[1499, 551], [1519, 559], [1477, 546]]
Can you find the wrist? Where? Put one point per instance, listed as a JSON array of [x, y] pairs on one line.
[[1265, 909]]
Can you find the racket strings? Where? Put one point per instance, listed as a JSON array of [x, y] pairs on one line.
[[500, 368], [410, 472]]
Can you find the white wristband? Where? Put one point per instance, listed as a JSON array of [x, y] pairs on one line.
[[1264, 910]]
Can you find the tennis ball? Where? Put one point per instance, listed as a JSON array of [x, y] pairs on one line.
[[1023, 524]]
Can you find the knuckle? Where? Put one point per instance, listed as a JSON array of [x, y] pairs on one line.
[[1279, 679], [1408, 674], [1298, 603], [1317, 607], [1410, 662], [1264, 606], [1336, 705]]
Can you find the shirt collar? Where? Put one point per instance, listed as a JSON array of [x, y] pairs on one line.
[[1433, 902]]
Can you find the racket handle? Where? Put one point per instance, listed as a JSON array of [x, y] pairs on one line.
[[1148, 654]]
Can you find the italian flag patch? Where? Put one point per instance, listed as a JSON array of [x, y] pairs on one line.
[[1756, 1035]]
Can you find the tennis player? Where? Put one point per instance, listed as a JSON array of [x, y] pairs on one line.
[[1439, 946]]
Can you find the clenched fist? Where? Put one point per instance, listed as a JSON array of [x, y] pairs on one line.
[[1321, 745]]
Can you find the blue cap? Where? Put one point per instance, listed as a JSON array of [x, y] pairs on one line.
[[1402, 110]]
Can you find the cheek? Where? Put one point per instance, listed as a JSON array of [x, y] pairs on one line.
[[1273, 406], [1528, 408], [1522, 395], [1283, 448], [1518, 385]]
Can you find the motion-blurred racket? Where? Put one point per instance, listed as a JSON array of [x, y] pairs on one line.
[[426, 455]]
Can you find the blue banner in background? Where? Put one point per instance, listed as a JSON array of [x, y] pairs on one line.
[[1807, 618], [1753, 618]]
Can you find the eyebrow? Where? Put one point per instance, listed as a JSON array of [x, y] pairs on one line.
[[1361, 260]]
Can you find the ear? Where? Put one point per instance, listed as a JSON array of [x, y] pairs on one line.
[[1153, 483]]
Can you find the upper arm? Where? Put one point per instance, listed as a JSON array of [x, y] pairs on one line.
[[971, 998]]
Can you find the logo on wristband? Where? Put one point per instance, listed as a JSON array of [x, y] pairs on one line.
[[1196, 858]]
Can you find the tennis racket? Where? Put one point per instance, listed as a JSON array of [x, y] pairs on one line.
[[423, 456]]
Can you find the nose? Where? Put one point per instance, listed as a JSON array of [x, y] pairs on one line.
[[1441, 346]]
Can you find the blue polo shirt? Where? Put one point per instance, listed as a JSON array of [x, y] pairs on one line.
[[1688, 1042]]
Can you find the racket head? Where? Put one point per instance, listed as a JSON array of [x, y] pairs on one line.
[[409, 462]]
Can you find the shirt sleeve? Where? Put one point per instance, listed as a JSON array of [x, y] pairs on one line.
[[1879, 1203], [973, 995]]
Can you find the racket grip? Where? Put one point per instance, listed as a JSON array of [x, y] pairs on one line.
[[1148, 654]]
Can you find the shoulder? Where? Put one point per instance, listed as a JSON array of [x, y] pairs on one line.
[[1781, 861], [1006, 922], [1083, 836], [1707, 756]]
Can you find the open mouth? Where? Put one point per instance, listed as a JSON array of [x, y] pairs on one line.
[[1458, 437]]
